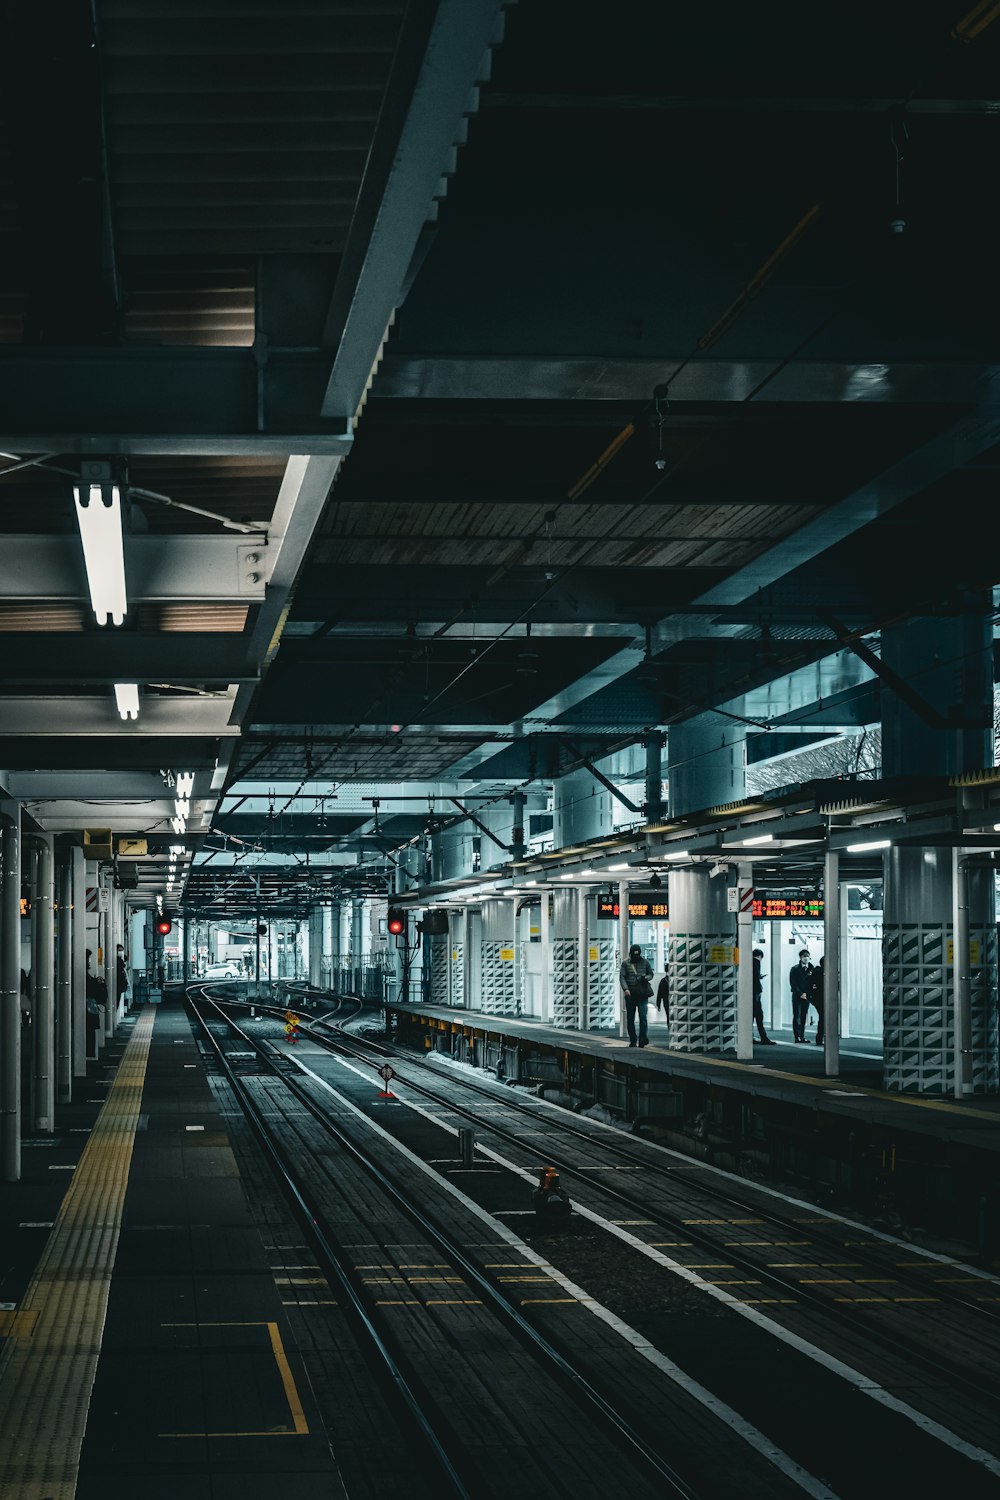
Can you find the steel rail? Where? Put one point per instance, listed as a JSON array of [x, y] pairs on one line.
[[541, 1346]]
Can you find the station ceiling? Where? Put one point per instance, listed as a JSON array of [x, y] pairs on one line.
[[564, 371]]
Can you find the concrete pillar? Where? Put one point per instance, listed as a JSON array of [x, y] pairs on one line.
[[497, 958], [108, 951], [831, 963], [918, 977], [581, 809], [518, 843], [621, 955], [80, 946], [326, 944], [565, 959], [707, 763], [316, 946], [545, 1001], [43, 1102], [702, 973], [456, 958], [601, 958], [10, 993], [64, 978], [949, 662], [744, 975]]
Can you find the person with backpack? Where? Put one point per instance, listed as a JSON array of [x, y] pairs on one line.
[[636, 979]]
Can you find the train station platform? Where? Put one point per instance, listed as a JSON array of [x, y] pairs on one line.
[[163, 1329], [931, 1162]]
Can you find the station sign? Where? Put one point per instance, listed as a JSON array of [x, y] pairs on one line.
[[788, 906], [643, 906]]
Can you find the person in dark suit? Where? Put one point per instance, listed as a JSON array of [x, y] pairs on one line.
[[816, 999], [800, 982], [758, 990]]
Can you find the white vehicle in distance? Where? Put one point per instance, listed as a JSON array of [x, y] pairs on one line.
[[228, 970]]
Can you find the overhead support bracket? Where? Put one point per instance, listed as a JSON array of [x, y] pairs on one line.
[[481, 826], [925, 711], [606, 782]]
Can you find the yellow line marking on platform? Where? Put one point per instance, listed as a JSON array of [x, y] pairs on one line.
[[300, 1427], [916, 1299], [46, 1380], [542, 1301], [862, 1299], [955, 1280]]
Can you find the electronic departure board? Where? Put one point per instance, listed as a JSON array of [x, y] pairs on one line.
[[643, 906], [784, 906]]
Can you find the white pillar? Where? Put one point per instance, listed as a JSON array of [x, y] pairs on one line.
[[831, 963], [744, 978], [583, 960], [79, 964], [622, 951], [545, 1001]]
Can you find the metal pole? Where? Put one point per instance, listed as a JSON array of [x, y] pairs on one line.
[[517, 844], [109, 957], [831, 963], [744, 974], [256, 967], [622, 951], [64, 999], [583, 1016], [961, 978], [42, 1019], [79, 870], [545, 998], [10, 997], [654, 776]]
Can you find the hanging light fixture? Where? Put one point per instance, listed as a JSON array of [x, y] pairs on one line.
[[99, 516], [127, 698]]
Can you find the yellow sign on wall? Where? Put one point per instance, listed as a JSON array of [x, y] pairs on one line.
[[594, 955], [974, 957], [721, 953], [454, 955], [507, 954]]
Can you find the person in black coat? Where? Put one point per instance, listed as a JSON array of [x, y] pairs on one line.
[[800, 981], [663, 996], [816, 998], [635, 975], [758, 990]]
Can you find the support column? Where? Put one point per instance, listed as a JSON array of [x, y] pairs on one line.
[[565, 960], [545, 924], [497, 958], [108, 953], [744, 975], [831, 963], [602, 970], [80, 945], [456, 957], [64, 970], [10, 994], [581, 809], [919, 975], [622, 954], [326, 945], [707, 763], [654, 776], [583, 965], [702, 982], [43, 1107], [316, 946]]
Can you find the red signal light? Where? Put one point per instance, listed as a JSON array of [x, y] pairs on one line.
[[397, 921], [163, 926]]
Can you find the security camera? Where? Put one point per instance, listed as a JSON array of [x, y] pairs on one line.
[[661, 463], [655, 881], [717, 869], [897, 225]]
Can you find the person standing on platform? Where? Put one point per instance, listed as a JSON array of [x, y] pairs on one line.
[[663, 996], [801, 983], [758, 990], [121, 975], [636, 978], [816, 997]]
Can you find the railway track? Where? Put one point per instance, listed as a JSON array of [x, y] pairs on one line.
[[551, 1380], [943, 1332]]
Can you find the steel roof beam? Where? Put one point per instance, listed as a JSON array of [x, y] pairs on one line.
[[157, 568], [165, 401], [108, 656]]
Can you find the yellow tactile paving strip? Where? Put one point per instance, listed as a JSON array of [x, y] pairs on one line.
[[49, 1362]]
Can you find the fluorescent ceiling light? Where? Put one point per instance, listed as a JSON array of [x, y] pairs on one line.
[[182, 807], [875, 844], [760, 838], [531, 882], [100, 520], [178, 825], [618, 867], [185, 783], [675, 854], [565, 877], [127, 698], [218, 777]]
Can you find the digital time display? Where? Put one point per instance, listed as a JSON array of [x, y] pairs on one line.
[[786, 908], [643, 906]]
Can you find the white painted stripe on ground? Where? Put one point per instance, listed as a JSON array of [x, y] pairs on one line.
[[758, 1187], [726, 1414]]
